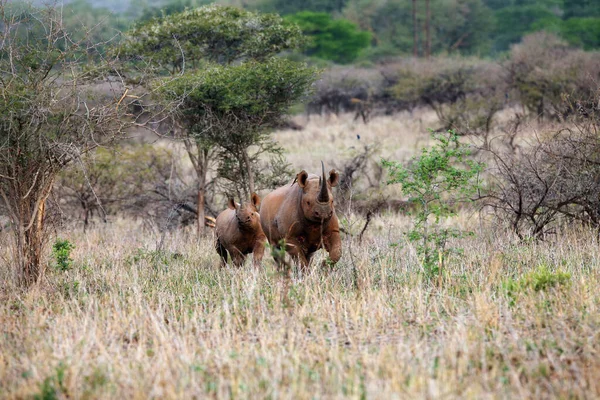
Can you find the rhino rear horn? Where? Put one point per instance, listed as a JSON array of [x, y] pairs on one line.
[[324, 193]]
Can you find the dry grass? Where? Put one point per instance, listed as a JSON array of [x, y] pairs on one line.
[[130, 322], [331, 138], [509, 320]]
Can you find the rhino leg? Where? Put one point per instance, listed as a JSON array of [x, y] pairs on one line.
[[222, 252], [258, 251], [237, 257], [296, 251], [333, 245]]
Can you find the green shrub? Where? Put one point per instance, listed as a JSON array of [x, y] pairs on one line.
[[53, 387], [582, 32], [437, 181], [542, 279], [539, 280], [61, 251]]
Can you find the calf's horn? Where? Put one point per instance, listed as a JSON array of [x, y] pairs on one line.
[[324, 193]]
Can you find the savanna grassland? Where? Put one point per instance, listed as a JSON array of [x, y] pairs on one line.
[[141, 314]]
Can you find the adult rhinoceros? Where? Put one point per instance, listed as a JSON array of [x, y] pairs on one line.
[[302, 213]]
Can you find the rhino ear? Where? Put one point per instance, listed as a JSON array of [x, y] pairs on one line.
[[231, 204], [301, 178], [334, 178], [255, 200]]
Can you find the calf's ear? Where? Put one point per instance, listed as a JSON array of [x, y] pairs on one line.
[[334, 178], [231, 204], [255, 200], [301, 178]]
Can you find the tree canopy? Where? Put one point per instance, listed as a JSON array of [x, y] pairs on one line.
[[337, 40], [213, 33], [224, 81], [255, 94]]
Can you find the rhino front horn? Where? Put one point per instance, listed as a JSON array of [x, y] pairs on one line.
[[324, 193]]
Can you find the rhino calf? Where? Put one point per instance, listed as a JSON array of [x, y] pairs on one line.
[[302, 213], [238, 232]]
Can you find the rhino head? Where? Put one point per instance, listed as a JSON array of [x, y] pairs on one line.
[[247, 213], [317, 198]]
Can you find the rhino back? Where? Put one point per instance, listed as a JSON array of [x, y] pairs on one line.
[[278, 211], [226, 227]]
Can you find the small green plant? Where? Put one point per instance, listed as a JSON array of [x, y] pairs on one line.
[[61, 252], [540, 279], [53, 387], [278, 253], [437, 181], [543, 279]]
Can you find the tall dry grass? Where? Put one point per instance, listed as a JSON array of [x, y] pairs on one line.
[[130, 322]]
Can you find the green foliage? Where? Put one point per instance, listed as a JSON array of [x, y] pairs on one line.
[[233, 107], [61, 251], [574, 20], [338, 40], [213, 33], [254, 92], [543, 279], [456, 25], [512, 23], [582, 32], [278, 252], [230, 88], [539, 280], [581, 8], [95, 381], [437, 181], [463, 26], [285, 7], [53, 387], [389, 22]]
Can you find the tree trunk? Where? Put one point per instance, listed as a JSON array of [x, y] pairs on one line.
[[27, 215], [427, 29], [201, 170], [248, 171], [415, 29], [199, 156], [31, 253], [200, 210]]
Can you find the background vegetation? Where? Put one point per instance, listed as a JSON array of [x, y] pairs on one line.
[[384, 29]]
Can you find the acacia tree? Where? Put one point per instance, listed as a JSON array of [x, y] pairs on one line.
[[233, 106], [51, 114], [228, 90]]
